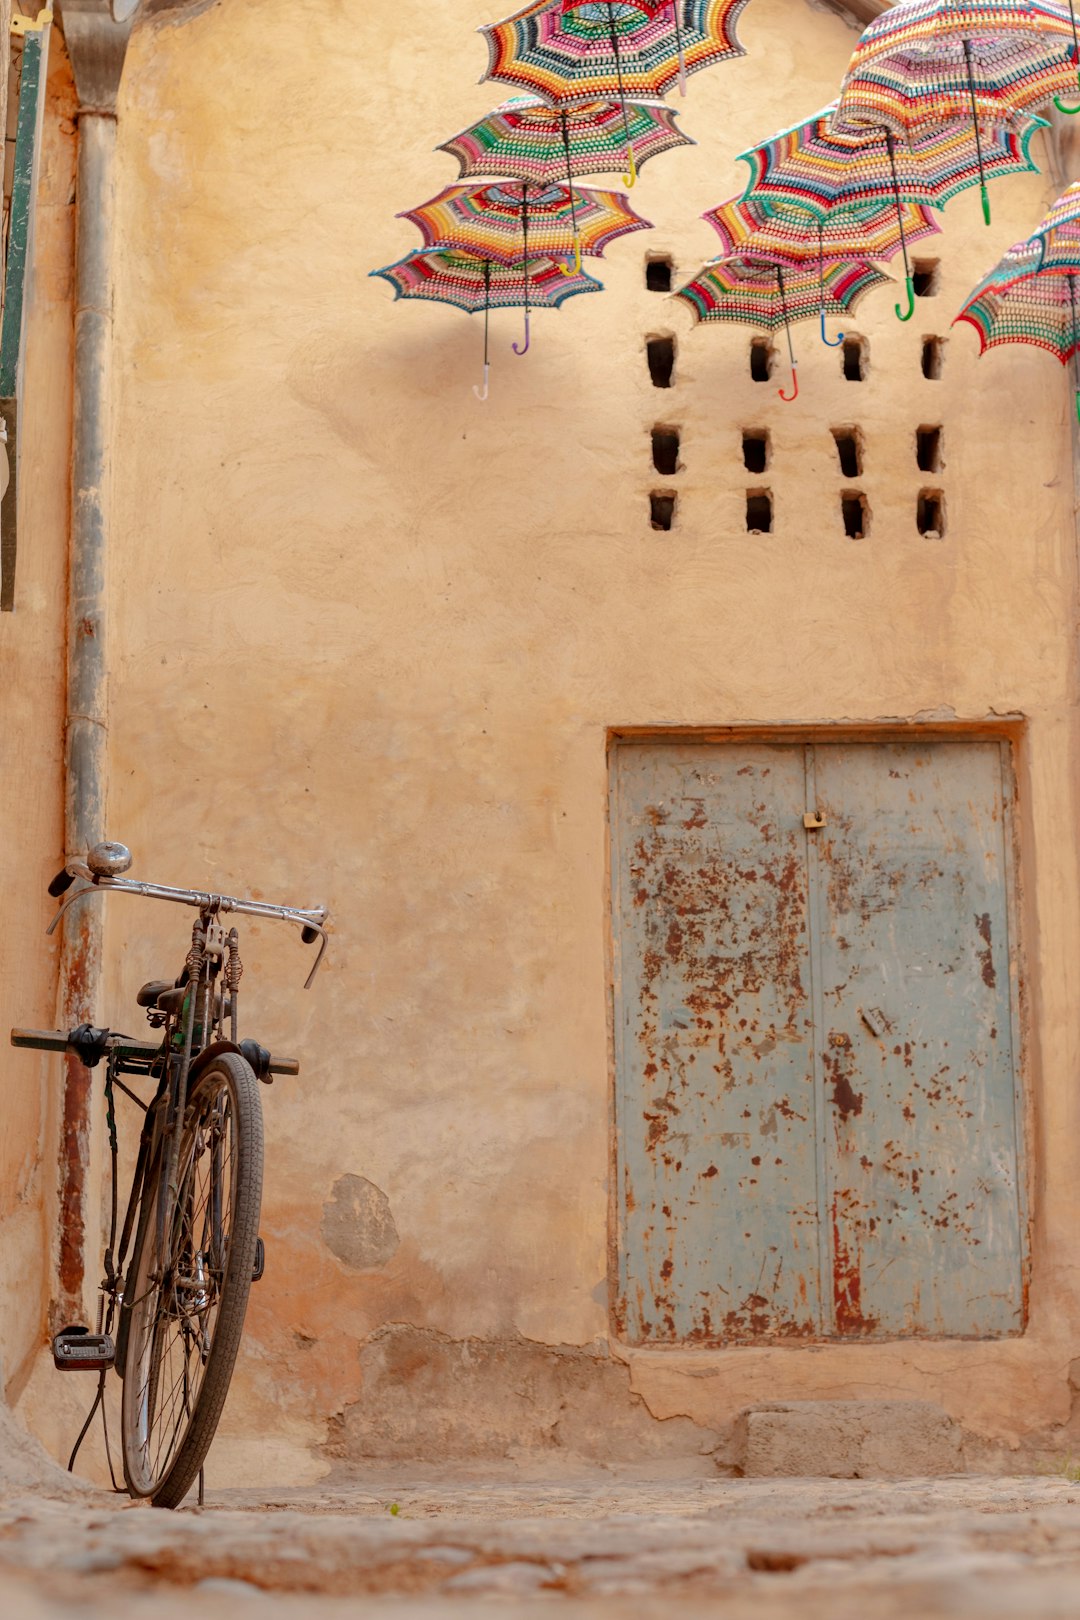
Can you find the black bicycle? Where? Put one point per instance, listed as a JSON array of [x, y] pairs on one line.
[[191, 1224]]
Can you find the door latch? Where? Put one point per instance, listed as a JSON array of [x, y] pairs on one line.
[[813, 818], [875, 1020]]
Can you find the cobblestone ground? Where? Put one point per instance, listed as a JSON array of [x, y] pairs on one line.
[[591, 1550]]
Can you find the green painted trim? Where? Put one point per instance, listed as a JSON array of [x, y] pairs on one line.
[[20, 233]]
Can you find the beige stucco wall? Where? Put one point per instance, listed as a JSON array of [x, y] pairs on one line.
[[31, 750], [370, 638]]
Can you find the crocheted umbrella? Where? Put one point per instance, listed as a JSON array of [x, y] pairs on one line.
[[1022, 303], [601, 48], [823, 168], [525, 138], [474, 284], [756, 293], [793, 236], [990, 61], [1057, 240], [510, 224]]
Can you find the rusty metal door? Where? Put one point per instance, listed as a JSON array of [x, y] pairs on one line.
[[816, 1098]]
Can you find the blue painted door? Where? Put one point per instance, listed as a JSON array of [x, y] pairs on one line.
[[816, 1102]]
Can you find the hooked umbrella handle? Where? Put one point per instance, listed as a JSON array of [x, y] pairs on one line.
[[525, 346], [482, 394], [833, 343], [906, 314], [631, 178], [787, 398], [573, 269]]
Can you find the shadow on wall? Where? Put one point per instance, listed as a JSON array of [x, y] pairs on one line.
[[427, 1395]]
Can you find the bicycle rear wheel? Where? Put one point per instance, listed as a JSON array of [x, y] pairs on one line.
[[187, 1295]]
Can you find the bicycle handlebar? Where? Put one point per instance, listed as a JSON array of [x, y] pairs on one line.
[[309, 919]]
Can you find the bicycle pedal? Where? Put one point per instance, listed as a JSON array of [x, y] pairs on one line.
[[76, 1349], [260, 1261]]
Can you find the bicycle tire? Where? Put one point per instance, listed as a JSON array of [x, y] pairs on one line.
[[168, 1309]]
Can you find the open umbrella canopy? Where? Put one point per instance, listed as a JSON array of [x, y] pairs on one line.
[[526, 138], [474, 284], [509, 223], [793, 236], [477, 284], [601, 48], [757, 293], [824, 168], [927, 60], [1033, 305]]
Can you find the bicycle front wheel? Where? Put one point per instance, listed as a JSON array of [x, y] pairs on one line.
[[187, 1290]]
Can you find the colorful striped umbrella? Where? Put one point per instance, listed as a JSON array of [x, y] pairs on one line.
[[992, 62], [474, 284], [823, 168], [511, 224], [793, 236], [755, 293], [526, 138], [614, 51], [1029, 305]]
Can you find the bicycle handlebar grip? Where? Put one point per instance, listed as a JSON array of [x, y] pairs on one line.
[[60, 883], [309, 935]]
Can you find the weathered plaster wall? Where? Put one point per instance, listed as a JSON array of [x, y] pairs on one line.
[[31, 749], [370, 637]]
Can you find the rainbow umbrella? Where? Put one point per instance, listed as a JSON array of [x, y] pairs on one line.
[[795, 237], [618, 52], [1021, 302], [474, 284], [525, 138], [824, 168], [756, 293], [510, 224], [992, 62]]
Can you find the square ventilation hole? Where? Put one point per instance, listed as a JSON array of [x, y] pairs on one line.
[[665, 450], [660, 352], [928, 449], [658, 274], [926, 277], [933, 355], [849, 451], [662, 508], [755, 449], [855, 513], [855, 358], [758, 511], [930, 515], [761, 359]]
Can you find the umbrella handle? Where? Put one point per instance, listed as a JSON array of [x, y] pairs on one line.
[[833, 343], [631, 178], [575, 268], [525, 347], [482, 395], [905, 315], [787, 398], [1078, 404], [679, 48], [985, 204], [1060, 105]]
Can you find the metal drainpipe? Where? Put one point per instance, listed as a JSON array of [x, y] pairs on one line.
[[96, 45]]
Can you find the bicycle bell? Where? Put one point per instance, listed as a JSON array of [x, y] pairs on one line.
[[109, 860]]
